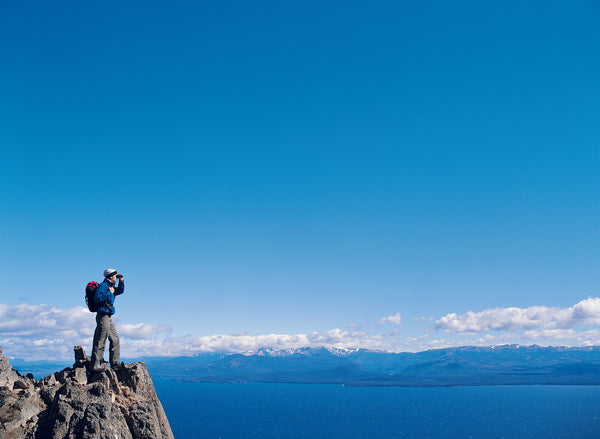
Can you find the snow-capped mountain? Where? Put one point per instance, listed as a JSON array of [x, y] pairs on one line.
[[508, 364]]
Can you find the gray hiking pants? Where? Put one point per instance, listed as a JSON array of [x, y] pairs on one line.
[[105, 328]]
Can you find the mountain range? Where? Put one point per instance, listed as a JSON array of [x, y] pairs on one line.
[[460, 366]]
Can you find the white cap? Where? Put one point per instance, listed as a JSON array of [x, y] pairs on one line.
[[110, 272]]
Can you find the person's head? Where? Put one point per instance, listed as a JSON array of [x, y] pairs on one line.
[[110, 274]]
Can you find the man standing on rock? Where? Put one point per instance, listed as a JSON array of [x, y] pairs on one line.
[[105, 328]]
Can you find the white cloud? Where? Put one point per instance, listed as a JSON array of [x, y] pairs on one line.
[[396, 319], [38, 332], [335, 338], [140, 331], [583, 337], [45, 320], [35, 332], [421, 338], [483, 340], [47, 332], [586, 312], [423, 319], [550, 334]]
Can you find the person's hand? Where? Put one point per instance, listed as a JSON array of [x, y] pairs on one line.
[[120, 276]]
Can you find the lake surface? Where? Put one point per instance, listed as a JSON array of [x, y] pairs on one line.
[[227, 411]]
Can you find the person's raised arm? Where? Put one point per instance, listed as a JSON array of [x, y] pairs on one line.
[[120, 289]]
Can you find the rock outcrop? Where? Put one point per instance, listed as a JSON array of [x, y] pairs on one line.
[[77, 403]]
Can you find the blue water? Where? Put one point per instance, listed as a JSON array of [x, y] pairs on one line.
[[247, 411]]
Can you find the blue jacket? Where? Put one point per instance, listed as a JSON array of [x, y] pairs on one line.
[[105, 298]]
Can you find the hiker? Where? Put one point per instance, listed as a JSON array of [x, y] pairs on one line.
[[105, 328]]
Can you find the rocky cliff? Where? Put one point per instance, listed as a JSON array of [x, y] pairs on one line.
[[77, 403]]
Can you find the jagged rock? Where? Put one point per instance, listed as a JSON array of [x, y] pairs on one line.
[[8, 375], [77, 403], [21, 384], [80, 358]]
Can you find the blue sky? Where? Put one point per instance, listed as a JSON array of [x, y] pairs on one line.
[[301, 169]]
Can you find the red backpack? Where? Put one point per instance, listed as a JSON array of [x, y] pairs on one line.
[[90, 292]]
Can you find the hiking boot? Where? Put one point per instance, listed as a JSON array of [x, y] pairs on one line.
[[100, 367], [118, 366]]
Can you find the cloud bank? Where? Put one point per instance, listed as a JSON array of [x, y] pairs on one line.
[[34, 332], [534, 318], [43, 332]]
